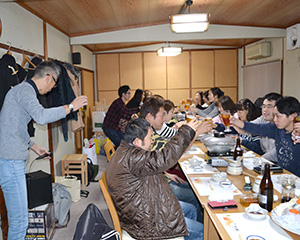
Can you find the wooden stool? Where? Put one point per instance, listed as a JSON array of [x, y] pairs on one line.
[[75, 164]]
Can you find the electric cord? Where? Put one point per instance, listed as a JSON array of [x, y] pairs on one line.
[[40, 157]]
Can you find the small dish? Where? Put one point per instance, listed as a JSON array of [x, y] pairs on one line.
[[255, 212], [225, 184], [195, 162], [254, 237], [219, 177]]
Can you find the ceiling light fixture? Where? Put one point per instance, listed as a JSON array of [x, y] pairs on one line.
[[169, 51], [184, 23]]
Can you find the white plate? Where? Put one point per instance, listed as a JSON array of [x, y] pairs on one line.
[[274, 216]]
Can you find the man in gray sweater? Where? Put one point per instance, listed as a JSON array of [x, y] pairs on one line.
[[19, 107]]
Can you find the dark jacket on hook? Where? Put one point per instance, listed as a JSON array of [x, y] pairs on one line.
[[63, 94], [7, 79]]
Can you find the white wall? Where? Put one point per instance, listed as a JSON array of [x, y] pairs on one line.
[[291, 72], [21, 28], [291, 66], [58, 45], [276, 51], [86, 57], [25, 31]]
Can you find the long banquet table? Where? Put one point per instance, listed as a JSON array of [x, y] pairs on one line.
[[213, 228]]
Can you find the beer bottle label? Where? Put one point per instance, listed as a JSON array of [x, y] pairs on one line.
[[263, 199]]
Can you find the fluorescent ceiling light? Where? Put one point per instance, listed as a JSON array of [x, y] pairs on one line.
[[169, 51], [183, 23]]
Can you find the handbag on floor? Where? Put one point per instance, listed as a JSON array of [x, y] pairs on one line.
[[92, 226]]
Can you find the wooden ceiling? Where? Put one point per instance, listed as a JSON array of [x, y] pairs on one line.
[[83, 17]]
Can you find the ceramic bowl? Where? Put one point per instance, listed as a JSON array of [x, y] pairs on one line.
[[219, 177], [195, 162], [255, 212]]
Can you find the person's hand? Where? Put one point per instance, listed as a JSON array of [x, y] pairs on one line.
[[39, 150], [192, 100], [175, 178], [236, 122], [296, 136], [177, 109], [204, 127], [134, 116], [297, 127], [79, 102], [194, 124], [199, 118], [179, 124], [193, 109]]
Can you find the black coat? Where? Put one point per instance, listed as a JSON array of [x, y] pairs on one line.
[[7, 79]]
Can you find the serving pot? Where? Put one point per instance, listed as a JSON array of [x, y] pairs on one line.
[[218, 143]]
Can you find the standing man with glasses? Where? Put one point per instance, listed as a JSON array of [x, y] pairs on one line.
[[116, 111], [19, 107]]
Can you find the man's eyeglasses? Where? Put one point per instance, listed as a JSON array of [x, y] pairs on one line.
[[53, 78], [267, 106]]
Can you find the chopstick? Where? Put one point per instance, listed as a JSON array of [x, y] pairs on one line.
[[250, 175], [211, 187], [240, 159], [225, 159]]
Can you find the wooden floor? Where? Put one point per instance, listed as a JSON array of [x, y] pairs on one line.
[[95, 196]]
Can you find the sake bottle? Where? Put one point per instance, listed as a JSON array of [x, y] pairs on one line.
[[238, 151], [266, 190]]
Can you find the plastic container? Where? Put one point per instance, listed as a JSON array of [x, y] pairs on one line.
[[247, 199]]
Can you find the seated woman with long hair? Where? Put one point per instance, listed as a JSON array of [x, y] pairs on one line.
[[225, 103], [137, 99], [246, 111], [212, 110], [199, 101]]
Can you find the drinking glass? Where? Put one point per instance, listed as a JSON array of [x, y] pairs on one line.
[[208, 119], [189, 115], [225, 117], [297, 119], [287, 188], [186, 106]]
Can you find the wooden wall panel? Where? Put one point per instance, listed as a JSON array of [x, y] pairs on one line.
[[131, 70], [109, 96], [173, 78], [87, 80], [198, 89], [178, 71], [177, 95], [231, 92], [108, 71], [161, 92], [202, 64], [225, 68], [155, 71]]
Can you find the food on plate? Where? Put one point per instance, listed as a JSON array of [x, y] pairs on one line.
[[287, 215], [197, 180]]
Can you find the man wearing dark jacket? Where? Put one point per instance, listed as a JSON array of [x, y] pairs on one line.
[[145, 203], [115, 112]]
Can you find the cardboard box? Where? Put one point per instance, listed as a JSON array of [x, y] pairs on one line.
[[41, 223], [72, 185]]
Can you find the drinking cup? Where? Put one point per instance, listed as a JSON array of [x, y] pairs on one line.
[[225, 117], [189, 115], [296, 120]]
